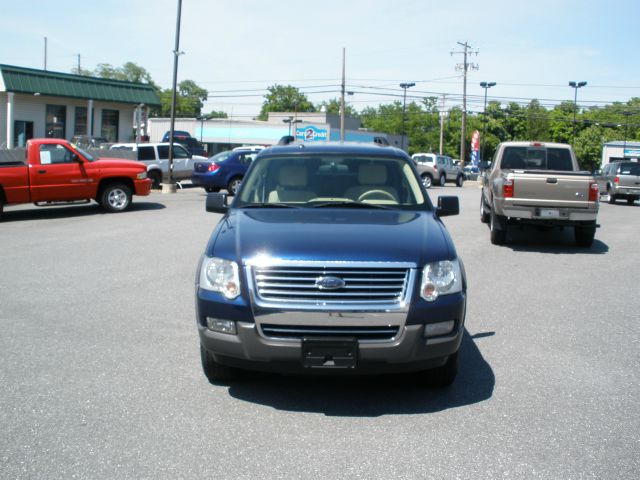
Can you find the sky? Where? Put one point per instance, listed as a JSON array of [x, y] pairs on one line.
[[237, 48]]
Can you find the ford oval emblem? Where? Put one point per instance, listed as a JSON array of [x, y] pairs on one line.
[[329, 283]]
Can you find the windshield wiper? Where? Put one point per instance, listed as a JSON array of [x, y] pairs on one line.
[[349, 204], [268, 205]]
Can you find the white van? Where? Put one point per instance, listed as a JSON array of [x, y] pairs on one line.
[[156, 157]]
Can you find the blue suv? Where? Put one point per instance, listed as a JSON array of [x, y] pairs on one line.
[[224, 170], [331, 259]]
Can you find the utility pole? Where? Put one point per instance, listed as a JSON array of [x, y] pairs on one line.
[[442, 115], [464, 66], [170, 186], [342, 97], [45, 54], [78, 64]]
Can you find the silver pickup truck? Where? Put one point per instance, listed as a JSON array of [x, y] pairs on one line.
[[541, 184]]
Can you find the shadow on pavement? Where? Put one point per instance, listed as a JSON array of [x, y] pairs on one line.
[[371, 396], [527, 238], [62, 211]]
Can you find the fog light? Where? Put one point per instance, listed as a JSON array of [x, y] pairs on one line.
[[440, 328], [221, 326]]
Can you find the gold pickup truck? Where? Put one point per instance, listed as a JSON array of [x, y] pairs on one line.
[[538, 183]]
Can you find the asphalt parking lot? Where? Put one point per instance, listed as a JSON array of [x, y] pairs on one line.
[[101, 378]]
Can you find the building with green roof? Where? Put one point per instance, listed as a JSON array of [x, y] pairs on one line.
[[43, 104]]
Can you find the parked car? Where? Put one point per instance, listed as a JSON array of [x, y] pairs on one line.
[[156, 157], [193, 146], [538, 183], [620, 180], [471, 172], [86, 141], [331, 259], [55, 172], [437, 169], [224, 170]]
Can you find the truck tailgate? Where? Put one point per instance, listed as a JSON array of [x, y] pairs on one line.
[[551, 189]]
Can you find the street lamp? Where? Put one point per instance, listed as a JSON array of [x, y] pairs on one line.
[[486, 86], [575, 86], [404, 86], [290, 121], [170, 187]]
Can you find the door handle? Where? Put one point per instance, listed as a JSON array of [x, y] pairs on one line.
[[42, 171], [552, 180]]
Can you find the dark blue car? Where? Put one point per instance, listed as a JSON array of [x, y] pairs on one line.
[[224, 170], [331, 259]]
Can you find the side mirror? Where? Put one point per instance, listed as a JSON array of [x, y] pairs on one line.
[[217, 203], [447, 206], [76, 158], [484, 165]]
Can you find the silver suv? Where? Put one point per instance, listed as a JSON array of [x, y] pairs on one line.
[[620, 180], [437, 169]]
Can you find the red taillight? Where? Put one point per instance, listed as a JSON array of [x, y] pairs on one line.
[[593, 192], [507, 189], [617, 179], [213, 167]]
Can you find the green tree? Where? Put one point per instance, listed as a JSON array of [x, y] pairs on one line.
[[129, 72], [190, 99], [216, 114], [537, 121], [333, 106], [588, 147], [284, 98]]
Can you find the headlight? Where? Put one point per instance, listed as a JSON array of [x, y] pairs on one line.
[[142, 176], [440, 278], [219, 275]]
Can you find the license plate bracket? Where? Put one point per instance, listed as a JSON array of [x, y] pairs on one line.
[[330, 353], [549, 213]]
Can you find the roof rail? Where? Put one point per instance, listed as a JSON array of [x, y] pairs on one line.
[[286, 140]]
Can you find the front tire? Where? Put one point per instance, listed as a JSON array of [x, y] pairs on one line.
[[115, 197], [484, 215], [214, 371], [234, 185], [497, 229], [156, 179], [630, 201], [443, 180], [459, 181], [427, 180]]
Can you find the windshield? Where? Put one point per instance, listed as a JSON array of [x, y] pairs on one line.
[[82, 152], [537, 158], [220, 157], [325, 181]]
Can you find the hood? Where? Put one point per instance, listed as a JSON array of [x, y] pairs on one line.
[[331, 235], [104, 162]]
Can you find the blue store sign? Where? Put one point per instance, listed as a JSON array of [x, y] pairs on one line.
[[311, 134]]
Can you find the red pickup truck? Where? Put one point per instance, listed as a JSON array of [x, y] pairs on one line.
[[55, 172]]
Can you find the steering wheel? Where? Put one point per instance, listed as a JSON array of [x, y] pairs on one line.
[[378, 194]]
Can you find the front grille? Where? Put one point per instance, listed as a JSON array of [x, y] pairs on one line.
[[301, 331], [362, 285]]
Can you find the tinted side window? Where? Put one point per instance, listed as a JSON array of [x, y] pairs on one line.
[[178, 152], [146, 153], [163, 151]]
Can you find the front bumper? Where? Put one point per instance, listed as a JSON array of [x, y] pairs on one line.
[[407, 351], [143, 187]]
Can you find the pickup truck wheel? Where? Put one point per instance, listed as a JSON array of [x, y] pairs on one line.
[[115, 197], [427, 180], [445, 375], [443, 180], [484, 215], [584, 236], [497, 229], [156, 179], [234, 184], [215, 372], [630, 201], [612, 198], [459, 180]]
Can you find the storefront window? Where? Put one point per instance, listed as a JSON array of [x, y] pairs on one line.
[[80, 123], [56, 121], [110, 124]]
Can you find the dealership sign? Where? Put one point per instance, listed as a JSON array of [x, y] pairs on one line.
[[312, 134]]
